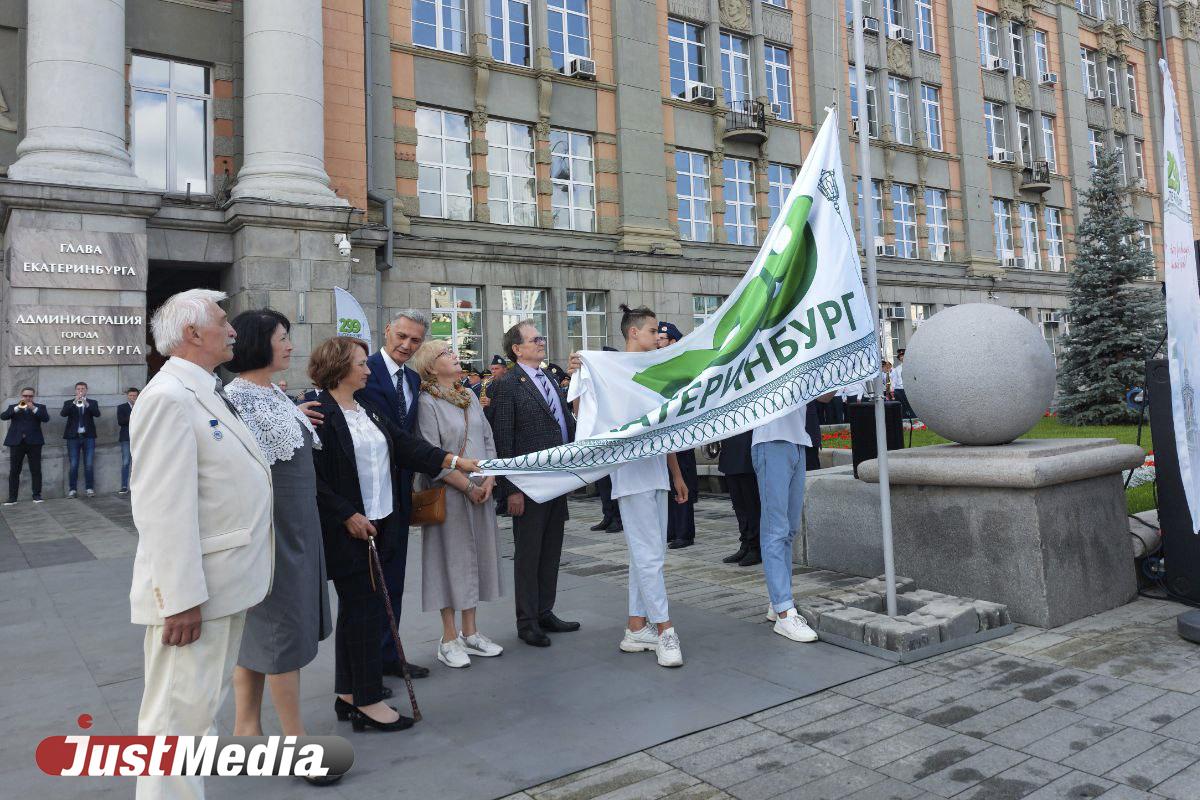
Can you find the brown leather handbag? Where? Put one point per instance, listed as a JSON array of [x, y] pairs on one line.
[[429, 505]]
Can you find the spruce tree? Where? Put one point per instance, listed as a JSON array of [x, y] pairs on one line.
[[1116, 320]]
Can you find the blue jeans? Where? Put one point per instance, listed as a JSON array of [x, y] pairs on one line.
[[126, 464], [779, 467], [88, 448]]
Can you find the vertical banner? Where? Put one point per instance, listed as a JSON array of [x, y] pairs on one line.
[[351, 319], [1183, 299]]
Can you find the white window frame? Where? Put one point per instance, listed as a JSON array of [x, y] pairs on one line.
[[593, 325], [1025, 136], [1041, 50], [1091, 74], [931, 105], [170, 145], [518, 303], [691, 72], [739, 198], [453, 310], [872, 103], [1139, 159], [779, 78], [904, 220], [1122, 167], [704, 306], [877, 222], [581, 179], [697, 226], [441, 31], [780, 178], [1002, 227], [988, 29], [1131, 88], [1056, 254], [1113, 81], [923, 22], [736, 66], [1016, 42], [508, 178], [1146, 237], [937, 223], [1096, 144], [504, 41], [995, 124], [900, 102], [1031, 246], [559, 14], [1049, 143], [442, 165], [893, 12]]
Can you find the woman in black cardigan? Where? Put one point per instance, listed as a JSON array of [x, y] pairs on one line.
[[358, 470]]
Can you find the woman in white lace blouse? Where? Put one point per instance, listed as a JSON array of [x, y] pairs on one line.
[[282, 632]]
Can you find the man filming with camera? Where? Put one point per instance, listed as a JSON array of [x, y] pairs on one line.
[[25, 438]]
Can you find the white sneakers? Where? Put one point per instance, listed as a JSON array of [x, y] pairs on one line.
[[457, 652], [792, 626], [644, 640], [665, 646], [668, 651]]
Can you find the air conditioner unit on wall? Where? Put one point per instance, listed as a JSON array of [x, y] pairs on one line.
[[579, 67], [894, 312], [888, 250], [996, 64], [1004, 156], [1011, 262], [900, 33], [1096, 94], [777, 110], [1049, 78], [870, 25], [701, 93], [938, 252], [1048, 317]]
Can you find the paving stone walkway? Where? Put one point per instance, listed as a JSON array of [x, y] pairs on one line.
[[1106, 707]]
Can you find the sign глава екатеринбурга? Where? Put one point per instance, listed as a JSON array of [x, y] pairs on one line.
[[56, 259]]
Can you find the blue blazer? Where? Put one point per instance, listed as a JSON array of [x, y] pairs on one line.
[[26, 425], [71, 412], [380, 393]]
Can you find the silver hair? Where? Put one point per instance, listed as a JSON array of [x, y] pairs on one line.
[[179, 311], [411, 314]]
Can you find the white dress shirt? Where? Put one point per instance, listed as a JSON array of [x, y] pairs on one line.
[[898, 377], [373, 461], [397, 373], [788, 428]]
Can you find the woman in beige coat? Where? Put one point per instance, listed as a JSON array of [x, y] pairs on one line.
[[460, 558]]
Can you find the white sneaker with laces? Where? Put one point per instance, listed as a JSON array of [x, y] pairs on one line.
[[479, 645], [91, 493], [453, 653], [771, 615], [795, 628], [669, 652], [645, 640]]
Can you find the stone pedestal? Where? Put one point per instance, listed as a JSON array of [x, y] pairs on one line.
[[1038, 525]]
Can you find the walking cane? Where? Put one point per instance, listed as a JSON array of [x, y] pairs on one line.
[[377, 572]]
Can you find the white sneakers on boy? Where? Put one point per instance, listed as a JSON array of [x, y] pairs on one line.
[[640, 641]]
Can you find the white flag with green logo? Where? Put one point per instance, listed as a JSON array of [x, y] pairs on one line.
[[797, 326], [1183, 300], [351, 319]]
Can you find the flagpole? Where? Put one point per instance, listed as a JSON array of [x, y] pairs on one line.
[[868, 195]]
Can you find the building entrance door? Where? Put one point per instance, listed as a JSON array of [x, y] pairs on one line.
[[166, 278]]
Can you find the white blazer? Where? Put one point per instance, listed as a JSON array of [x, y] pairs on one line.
[[202, 502]]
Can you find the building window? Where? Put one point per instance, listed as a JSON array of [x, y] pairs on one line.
[[901, 109], [872, 103], [1091, 78], [776, 3], [1041, 50], [890, 330], [1016, 37], [1096, 143], [918, 313], [1119, 152], [685, 52], [937, 224], [924, 25], [893, 12], [574, 181], [1052, 334], [521, 304], [780, 178], [1002, 228], [1049, 149], [931, 103], [456, 316], [779, 79], [735, 69], [569, 28], [1110, 70], [1131, 87], [440, 24], [876, 231], [1139, 159], [904, 220], [989, 37], [1055, 252], [508, 31], [1031, 248], [587, 320], [694, 195], [443, 164], [994, 126], [740, 227], [170, 124], [1025, 136], [1087, 7], [704, 306], [512, 196], [1146, 240]]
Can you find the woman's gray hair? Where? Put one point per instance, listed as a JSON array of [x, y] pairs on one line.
[[411, 314], [179, 311]]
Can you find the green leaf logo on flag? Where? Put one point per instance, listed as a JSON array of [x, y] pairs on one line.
[[789, 265], [1172, 172]]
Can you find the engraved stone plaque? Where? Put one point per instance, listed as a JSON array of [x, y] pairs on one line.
[[61, 259], [40, 336]]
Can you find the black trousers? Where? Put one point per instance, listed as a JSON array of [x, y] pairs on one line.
[[537, 540], [681, 519], [608, 507], [16, 457], [905, 408], [743, 494], [358, 668], [393, 575]]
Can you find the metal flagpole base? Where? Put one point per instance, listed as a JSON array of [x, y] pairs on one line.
[[1188, 624]]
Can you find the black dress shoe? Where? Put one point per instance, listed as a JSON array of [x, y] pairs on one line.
[[553, 624], [360, 722], [738, 556], [676, 544], [753, 556], [414, 670], [602, 525], [616, 526], [534, 636], [343, 709]]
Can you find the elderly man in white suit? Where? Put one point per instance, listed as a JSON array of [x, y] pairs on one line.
[[201, 495]]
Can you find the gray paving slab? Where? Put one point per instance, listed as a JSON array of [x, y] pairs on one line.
[[1016, 782], [1183, 785], [1070, 740], [970, 771], [900, 745], [1159, 763], [1112, 751], [1073, 786], [1032, 728]]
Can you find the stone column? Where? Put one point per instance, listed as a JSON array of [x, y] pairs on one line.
[[75, 96], [284, 104]]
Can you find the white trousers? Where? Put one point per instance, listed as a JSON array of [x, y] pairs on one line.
[[644, 516], [185, 687]]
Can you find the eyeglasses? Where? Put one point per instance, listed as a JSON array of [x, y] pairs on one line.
[[536, 340]]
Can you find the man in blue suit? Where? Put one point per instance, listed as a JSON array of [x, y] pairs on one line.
[[80, 434], [393, 388], [24, 438]]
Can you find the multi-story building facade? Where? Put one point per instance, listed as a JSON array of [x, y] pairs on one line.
[[493, 160]]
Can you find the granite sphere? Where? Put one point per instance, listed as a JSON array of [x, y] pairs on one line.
[[979, 374]]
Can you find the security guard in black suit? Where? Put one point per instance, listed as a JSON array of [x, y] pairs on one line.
[[24, 438]]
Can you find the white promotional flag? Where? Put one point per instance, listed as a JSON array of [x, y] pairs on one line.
[[351, 319], [797, 326], [1183, 300]]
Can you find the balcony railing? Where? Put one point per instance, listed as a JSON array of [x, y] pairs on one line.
[[746, 119], [1036, 178]]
